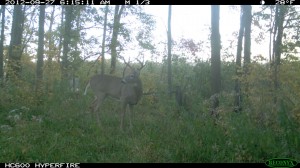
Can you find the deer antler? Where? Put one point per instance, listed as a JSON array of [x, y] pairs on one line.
[[142, 64], [127, 65]]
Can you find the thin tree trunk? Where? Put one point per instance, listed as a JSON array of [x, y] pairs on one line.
[[169, 51], [40, 52], [51, 44], [238, 63], [270, 39], [1, 43], [51, 53], [67, 40], [247, 42], [103, 42], [215, 52], [15, 48], [60, 44], [114, 39], [279, 17], [274, 35], [215, 57]]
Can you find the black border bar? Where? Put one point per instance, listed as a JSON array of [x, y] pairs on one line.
[[149, 2], [132, 165]]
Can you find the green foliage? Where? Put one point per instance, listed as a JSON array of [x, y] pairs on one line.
[[290, 92], [62, 129]]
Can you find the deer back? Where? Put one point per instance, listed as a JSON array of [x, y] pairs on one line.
[[106, 84]]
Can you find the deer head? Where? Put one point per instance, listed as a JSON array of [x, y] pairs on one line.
[[128, 90]]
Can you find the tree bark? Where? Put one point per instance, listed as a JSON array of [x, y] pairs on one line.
[[67, 40], [114, 39], [169, 51], [237, 87], [60, 44], [247, 43], [215, 50], [1, 43], [103, 42], [15, 48], [40, 52], [51, 43], [51, 52], [279, 19], [215, 56]]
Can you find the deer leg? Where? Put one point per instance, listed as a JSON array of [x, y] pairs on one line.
[[123, 110], [130, 114], [93, 103], [97, 102]]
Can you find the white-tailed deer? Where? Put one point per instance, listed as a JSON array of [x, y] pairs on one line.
[[128, 90]]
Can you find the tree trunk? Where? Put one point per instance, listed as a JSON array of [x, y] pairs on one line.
[[247, 43], [169, 51], [279, 18], [114, 39], [60, 44], [15, 48], [103, 42], [237, 87], [51, 43], [270, 38], [51, 52], [215, 56], [67, 40], [40, 52], [1, 43]]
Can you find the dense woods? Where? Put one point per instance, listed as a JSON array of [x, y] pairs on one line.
[[232, 106]]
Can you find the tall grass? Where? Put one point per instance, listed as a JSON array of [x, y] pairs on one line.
[[60, 128], [67, 132]]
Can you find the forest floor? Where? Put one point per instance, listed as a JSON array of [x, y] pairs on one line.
[[63, 130]]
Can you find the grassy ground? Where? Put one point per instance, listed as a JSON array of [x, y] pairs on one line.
[[62, 130]]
